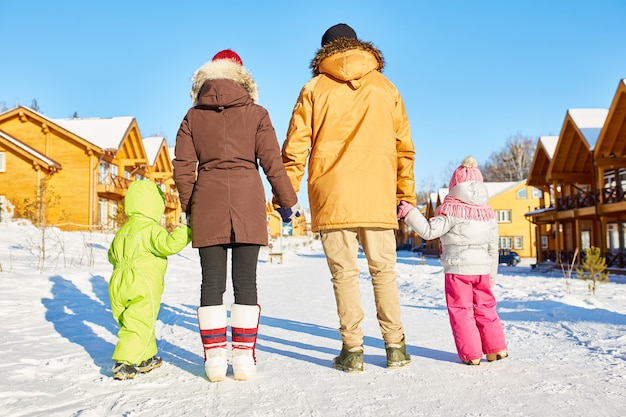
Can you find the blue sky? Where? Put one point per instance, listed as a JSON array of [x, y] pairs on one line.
[[472, 73]]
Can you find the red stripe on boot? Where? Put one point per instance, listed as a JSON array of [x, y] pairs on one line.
[[211, 336], [242, 335]]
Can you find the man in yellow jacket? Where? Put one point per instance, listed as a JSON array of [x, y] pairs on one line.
[[350, 122]]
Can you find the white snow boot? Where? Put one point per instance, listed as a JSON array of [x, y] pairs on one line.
[[244, 321], [212, 323]]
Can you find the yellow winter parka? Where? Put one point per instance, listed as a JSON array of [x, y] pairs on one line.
[[351, 123]]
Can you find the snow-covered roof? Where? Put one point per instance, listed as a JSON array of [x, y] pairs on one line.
[[171, 151], [152, 145], [495, 188], [589, 122], [106, 133], [549, 144]]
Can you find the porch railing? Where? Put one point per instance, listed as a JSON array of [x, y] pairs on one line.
[[589, 198], [614, 259], [579, 200]]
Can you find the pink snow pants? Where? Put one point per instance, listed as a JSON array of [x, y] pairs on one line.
[[472, 309]]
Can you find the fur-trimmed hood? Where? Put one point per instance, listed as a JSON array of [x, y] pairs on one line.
[[344, 45], [219, 70]]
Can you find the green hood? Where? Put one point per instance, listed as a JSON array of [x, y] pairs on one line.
[[146, 198]]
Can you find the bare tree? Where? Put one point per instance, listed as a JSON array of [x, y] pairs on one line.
[[35, 106], [512, 163], [424, 190], [37, 209]]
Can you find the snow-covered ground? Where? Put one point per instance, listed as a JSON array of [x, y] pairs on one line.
[[567, 349]]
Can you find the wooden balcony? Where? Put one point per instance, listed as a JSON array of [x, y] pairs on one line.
[[584, 199], [112, 186], [612, 195]]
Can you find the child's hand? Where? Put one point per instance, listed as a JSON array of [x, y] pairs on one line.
[[404, 208]]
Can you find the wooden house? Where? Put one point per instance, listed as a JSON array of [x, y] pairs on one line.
[[586, 180], [80, 167]]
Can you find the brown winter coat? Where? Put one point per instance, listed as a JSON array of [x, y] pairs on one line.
[[352, 120], [226, 136]]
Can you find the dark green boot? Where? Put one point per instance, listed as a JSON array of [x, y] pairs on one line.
[[350, 359], [396, 354]]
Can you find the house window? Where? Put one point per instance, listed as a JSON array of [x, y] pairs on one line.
[[103, 172], [2, 162], [585, 239], [544, 242], [107, 213], [612, 236], [504, 216], [113, 169], [102, 212], [622, 178], [609, 179], [522, 194], [537, 193], [518, 242], [505, 242]]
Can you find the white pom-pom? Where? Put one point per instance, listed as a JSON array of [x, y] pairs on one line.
[[469, 162]]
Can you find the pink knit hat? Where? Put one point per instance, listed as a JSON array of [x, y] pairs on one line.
[[228, 54], [467, 171]]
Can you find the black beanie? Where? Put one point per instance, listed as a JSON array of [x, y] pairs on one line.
[[340, 30]]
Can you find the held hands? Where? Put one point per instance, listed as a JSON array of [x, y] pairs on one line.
[[287, 214], [404, 208], [184, 219]]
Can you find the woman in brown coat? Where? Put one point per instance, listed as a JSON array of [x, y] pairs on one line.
[[219, 146]]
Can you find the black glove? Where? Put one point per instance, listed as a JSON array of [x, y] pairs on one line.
[[286, 213]]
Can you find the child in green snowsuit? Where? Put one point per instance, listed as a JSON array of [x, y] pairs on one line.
[[139, 254]]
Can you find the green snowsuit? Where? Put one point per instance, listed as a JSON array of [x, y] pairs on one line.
[[138, 254]]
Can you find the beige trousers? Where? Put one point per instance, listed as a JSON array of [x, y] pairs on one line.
[[341, 249]]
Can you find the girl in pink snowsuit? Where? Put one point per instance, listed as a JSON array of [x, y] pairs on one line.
[[468, 233]]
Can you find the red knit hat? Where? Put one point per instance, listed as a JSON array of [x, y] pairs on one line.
[[228, 54], [467, 171]]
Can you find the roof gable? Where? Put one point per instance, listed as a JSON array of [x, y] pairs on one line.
[[158, 156], [572, 160], [29, 153], [25, 114], [153, 145], [546, 145], [611, 147]]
